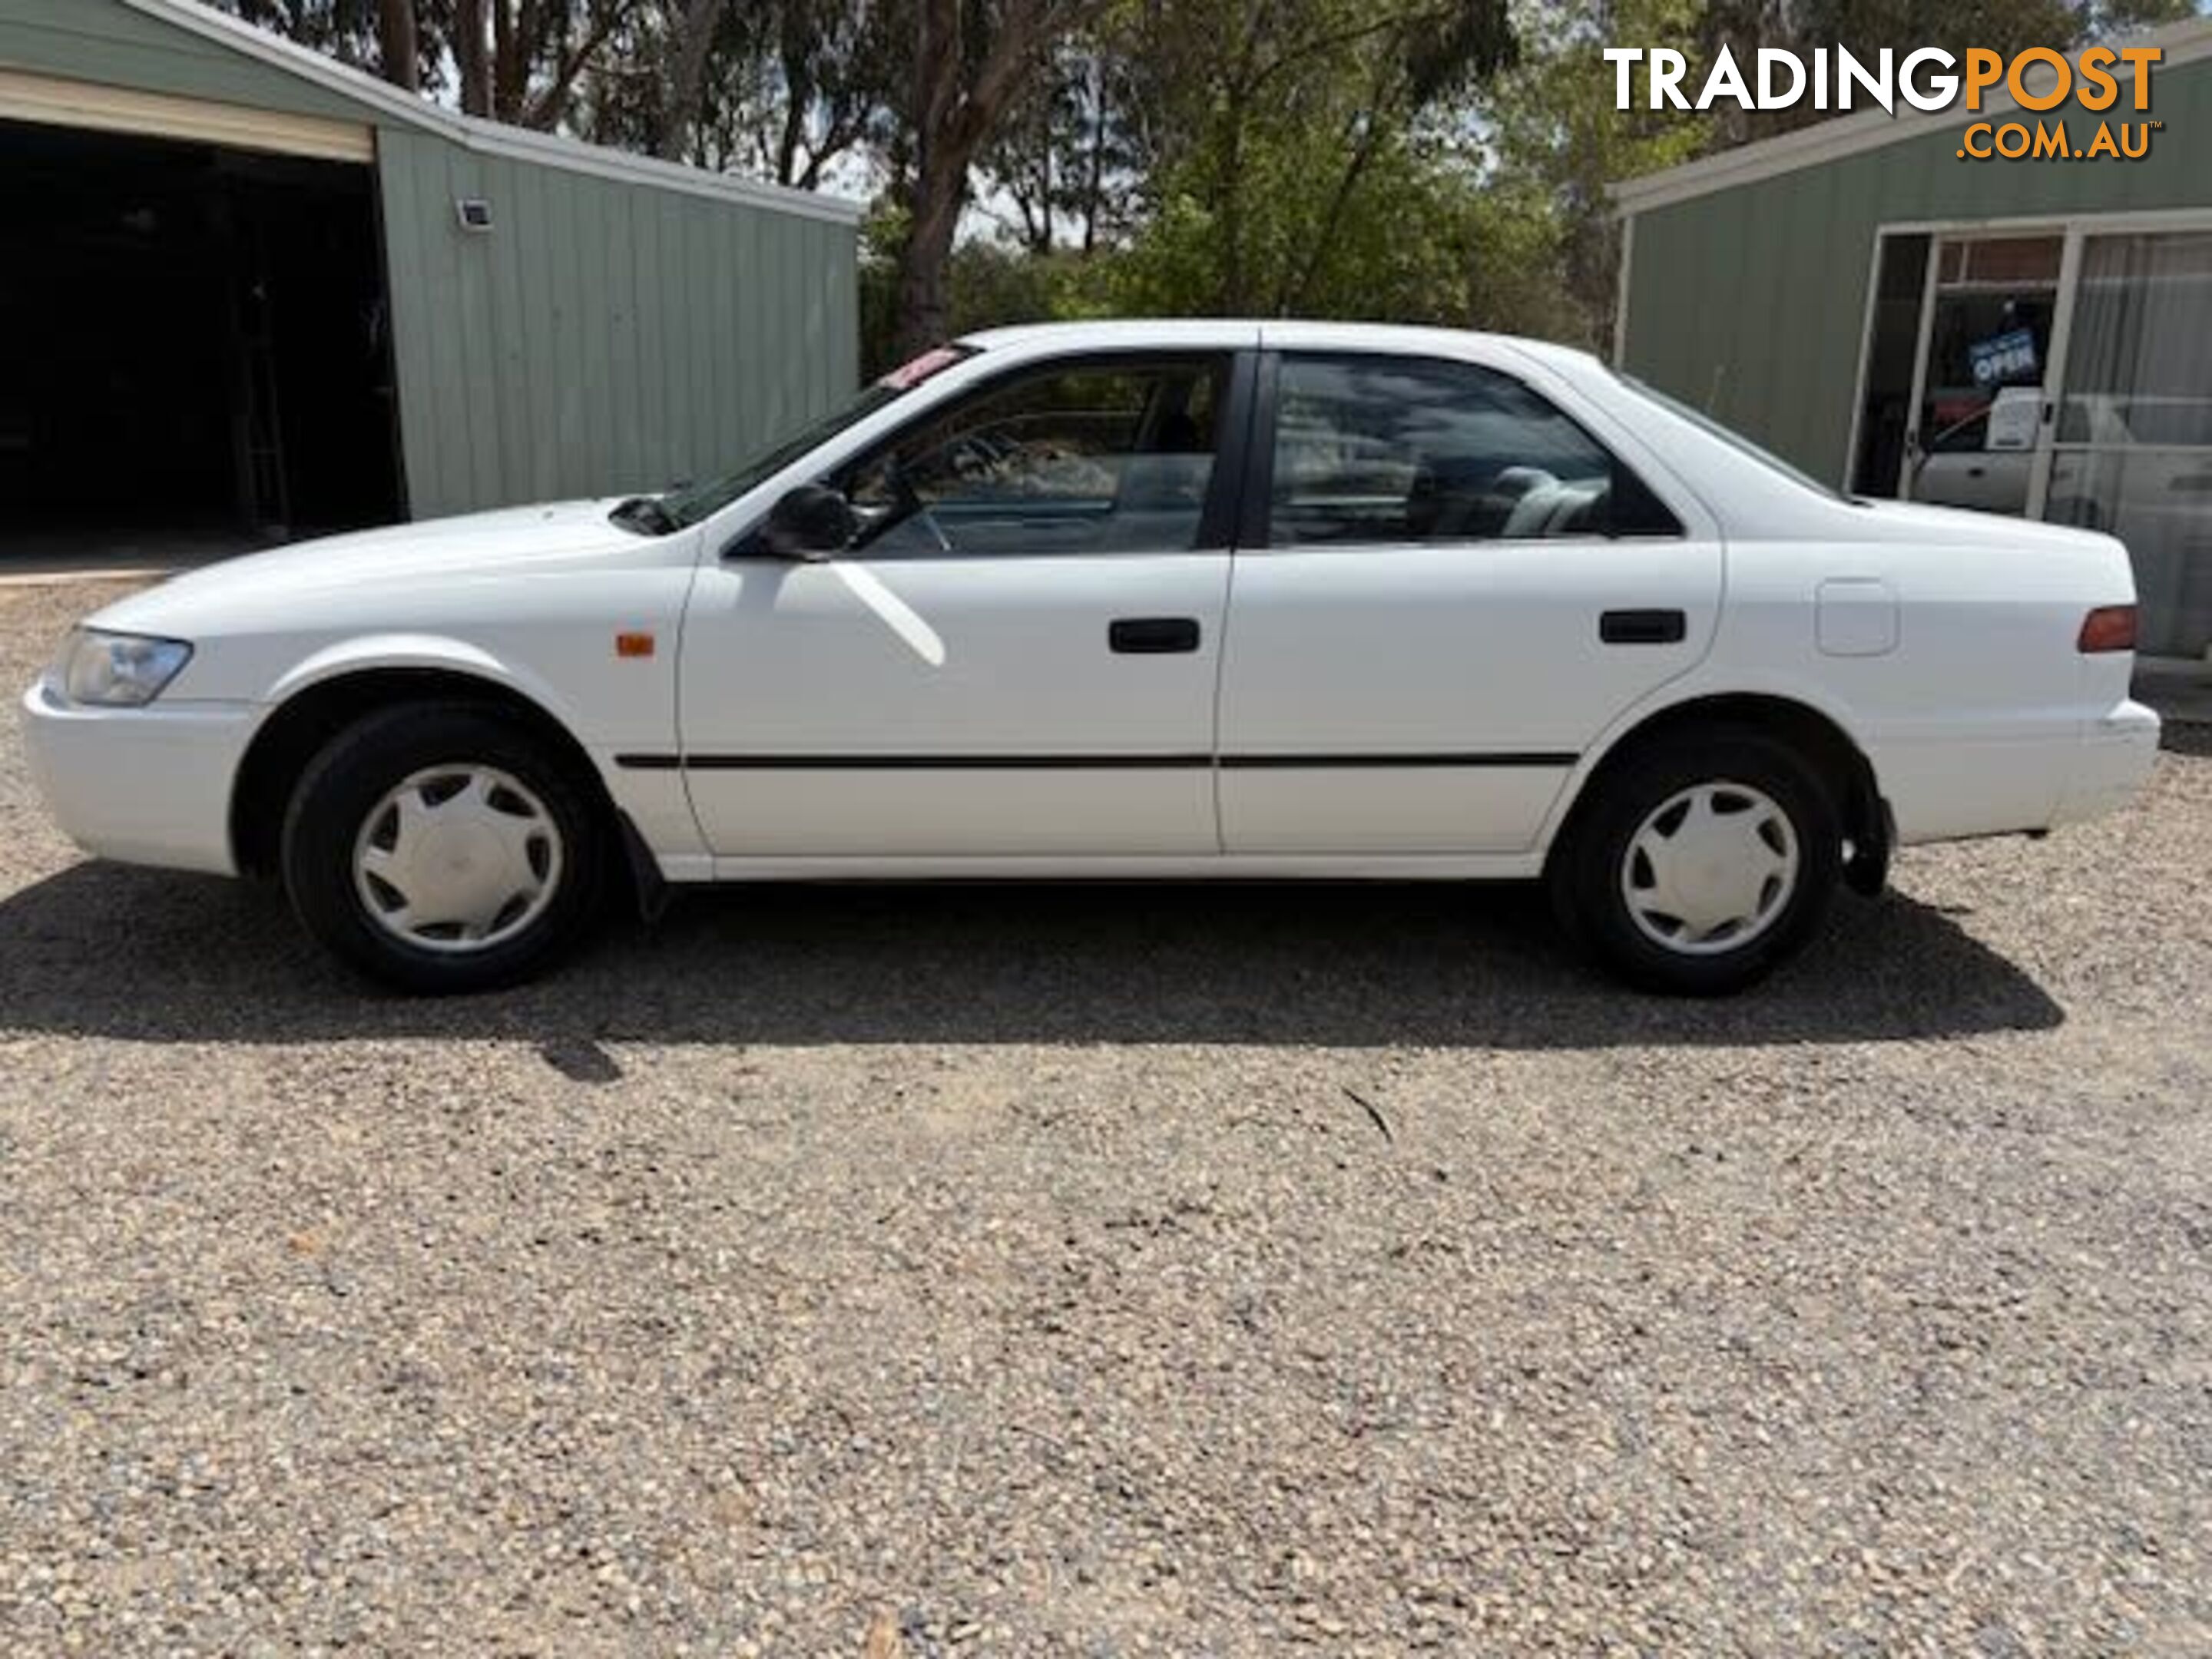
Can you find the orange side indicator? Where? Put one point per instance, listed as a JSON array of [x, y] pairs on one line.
[[633, 645]]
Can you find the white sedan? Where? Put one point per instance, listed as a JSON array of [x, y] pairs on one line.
[[1131, 600]]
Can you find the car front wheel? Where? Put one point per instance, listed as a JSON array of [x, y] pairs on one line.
[[438, 847], [1703, 862]]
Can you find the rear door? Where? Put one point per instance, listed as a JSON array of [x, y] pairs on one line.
[[1450, 582]]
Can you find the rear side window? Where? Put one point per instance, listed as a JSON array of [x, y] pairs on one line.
[[1376, 449]]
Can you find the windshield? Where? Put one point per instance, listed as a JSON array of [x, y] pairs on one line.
[[1735, 440], [692, 503]]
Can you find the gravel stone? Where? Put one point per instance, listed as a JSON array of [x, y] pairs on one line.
[[1022, 1271]]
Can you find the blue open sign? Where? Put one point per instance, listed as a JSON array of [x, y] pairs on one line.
[[2003, 357]]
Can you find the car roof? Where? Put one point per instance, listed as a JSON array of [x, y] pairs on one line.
[[1123, 333]]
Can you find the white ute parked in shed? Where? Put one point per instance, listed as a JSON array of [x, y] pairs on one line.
[[1127, 600]]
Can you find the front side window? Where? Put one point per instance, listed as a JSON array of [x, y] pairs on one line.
[[1106, 457], [1399, 449], [692, 504]]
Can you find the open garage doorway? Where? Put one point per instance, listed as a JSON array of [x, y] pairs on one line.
[[198, 349]]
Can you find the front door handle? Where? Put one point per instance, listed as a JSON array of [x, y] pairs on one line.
[[1643, 627], [1152, 636]]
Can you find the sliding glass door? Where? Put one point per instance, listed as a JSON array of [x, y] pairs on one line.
[[2132, 445], [1985, 357], [2062, 373]]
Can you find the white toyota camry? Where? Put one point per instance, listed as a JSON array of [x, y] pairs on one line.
[[1127, 600]]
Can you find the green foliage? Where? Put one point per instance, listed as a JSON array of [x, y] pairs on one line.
[[1330, 162], [2106, 18], [991, 283], [1308, 243], [1559, 140], [1295, 155], [1417, 161]]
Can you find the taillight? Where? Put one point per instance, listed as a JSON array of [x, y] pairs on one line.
[[2108, 628]]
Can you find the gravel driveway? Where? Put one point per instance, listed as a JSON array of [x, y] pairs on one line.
[[1110, 1271]]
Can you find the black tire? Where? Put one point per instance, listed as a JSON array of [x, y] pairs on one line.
[[359, 768], [1586, 875]]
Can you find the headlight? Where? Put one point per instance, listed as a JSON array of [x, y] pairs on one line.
[[119, 670]]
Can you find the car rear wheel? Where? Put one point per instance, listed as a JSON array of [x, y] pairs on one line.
[[1701, 862], [439, 848]]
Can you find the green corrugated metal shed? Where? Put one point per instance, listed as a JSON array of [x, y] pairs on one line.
[[1744, 286], [623, 323]]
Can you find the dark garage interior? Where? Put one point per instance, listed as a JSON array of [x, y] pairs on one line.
[[199, 351]]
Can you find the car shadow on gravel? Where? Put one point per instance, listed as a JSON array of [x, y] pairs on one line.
[[108, 950]]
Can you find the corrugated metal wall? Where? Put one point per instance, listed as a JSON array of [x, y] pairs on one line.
[[101, 41], [601, 337], [1750, 301], [607, 334]]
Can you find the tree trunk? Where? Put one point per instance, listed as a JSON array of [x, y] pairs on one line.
[[925, 315], [1042, 244], [468, 56], [1229, 192], [1095, 184], [398, 46], [792, 134], [951, 122], [940, 177], [1291, 297], [510, 65], [1229, 184], [680, 102], [545, 109]]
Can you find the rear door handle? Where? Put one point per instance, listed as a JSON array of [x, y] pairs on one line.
[[1152, 636], [1643, 627]]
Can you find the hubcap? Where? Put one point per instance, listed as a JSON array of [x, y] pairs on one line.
[[456, 859], [1710, 868]]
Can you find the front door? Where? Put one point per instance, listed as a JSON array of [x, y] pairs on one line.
[[1018, 656], [1458, 586]]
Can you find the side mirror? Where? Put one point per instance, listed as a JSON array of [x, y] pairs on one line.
[[811, 522]]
